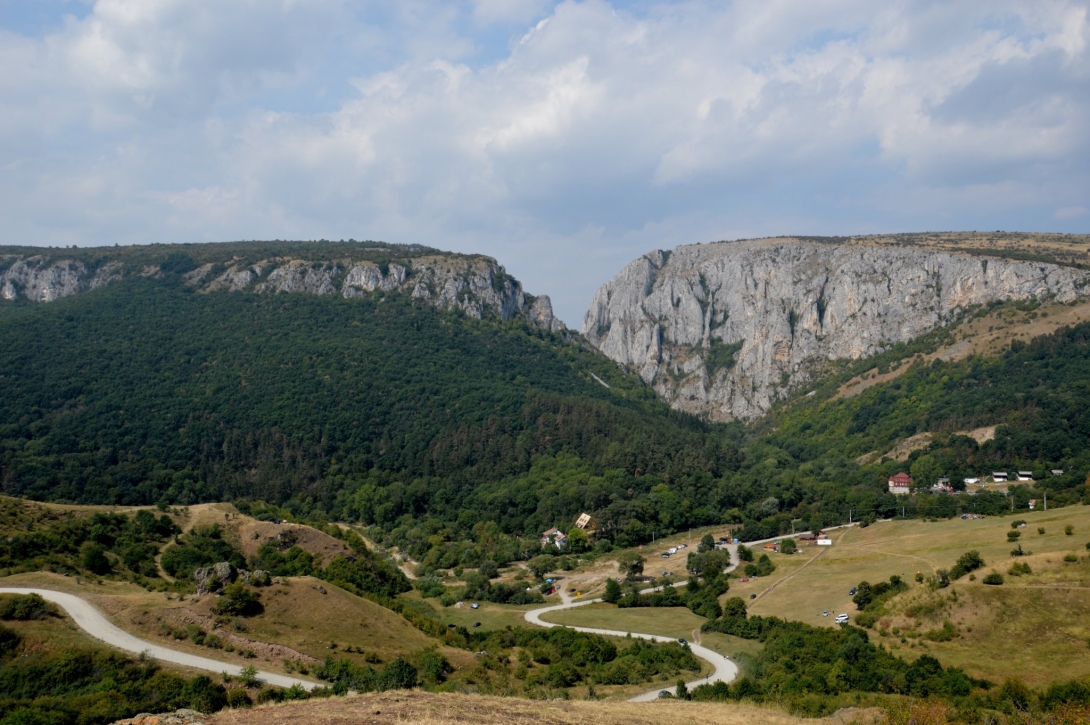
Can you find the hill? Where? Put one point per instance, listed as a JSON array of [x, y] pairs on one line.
[[370, 407]]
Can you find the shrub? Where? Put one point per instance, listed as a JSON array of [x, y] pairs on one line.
[[1017, 551], [613, 592], [1018, 522], [788, 546], [237, 600], [195, 634], [994, 579], [968, 562], [745, 553], [1013, 536], [93, 558], [205, 695], [238, 698], [1020, 568], [23, 607], [1069, 530], [248, 676], [1041, 530], [1070, 558], [9, 640]]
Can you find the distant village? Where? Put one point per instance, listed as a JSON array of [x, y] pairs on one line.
[[902, 484]]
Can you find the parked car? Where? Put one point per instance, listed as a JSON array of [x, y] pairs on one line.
[[683, 641], [745, 579], [682, 546], [852, 592], [842, 619], [452, 625], [825, 613], [476, 624], [664, 693], [475, 605], [752, 596], [666, 555]]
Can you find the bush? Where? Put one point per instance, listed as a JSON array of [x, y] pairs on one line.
[[1013, 536], [23, 607], [93, 558], [788, 546], [745, 553], [238, 698], [1020, 568], [613, 592], [248, 676], [205, 695], [1069, 530], [968, 562], [1041, 530], [1018, 522], [9, 640], [237, 600], [1070, 558], [993, 579]]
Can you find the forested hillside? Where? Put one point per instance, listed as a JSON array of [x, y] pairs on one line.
[[144, 391], [442, 428]]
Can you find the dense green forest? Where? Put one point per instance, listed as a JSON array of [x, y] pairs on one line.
[[461, 439]]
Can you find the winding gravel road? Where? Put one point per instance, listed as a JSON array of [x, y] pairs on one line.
[[92, 621]]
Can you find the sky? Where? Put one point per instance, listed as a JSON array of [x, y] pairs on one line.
[[564, 139]]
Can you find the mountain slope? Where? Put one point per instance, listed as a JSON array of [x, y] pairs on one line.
[[146, 389], [725, 330]]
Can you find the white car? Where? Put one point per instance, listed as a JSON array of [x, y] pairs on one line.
[[842, 619]]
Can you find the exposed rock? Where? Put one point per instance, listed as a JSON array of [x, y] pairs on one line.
[[476, 285], [211, 579], [724, 330], [256, 578], [178, 717]]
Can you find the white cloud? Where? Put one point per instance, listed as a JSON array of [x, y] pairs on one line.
[[598, 133]]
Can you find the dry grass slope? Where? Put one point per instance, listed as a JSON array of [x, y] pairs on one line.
[[421, 708]]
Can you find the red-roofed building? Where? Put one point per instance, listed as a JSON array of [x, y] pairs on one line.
[[900, 484]]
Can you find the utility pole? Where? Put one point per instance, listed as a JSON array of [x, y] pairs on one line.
[[849, 516], [1046, 500]]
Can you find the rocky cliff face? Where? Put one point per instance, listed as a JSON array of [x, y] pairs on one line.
[[477, 285], [723, 330]]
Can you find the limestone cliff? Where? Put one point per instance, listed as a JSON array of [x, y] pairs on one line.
[[723, 330], [475, 284]]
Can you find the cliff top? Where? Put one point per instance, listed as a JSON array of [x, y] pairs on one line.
[[244, 253], [1067, 249]]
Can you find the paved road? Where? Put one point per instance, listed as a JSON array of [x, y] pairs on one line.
[[722, 668], [95, 624]]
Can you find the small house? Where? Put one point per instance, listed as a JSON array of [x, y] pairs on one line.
[[942, 486], [1032, 504], [1025, 475], [772, 546], [900, 484], [999, 476], [583, 521], [555, 537], [807, 538], [824, 541], [1057, 471], [971, 480]]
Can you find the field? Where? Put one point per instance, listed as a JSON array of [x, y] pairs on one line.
[[1022, 628]]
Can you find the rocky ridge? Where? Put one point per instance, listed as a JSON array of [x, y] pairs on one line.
[[476, 285], [724, 330]]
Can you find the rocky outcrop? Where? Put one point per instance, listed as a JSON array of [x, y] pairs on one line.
[[476, 285], [39, 281], [178, 717], [723, 330], [211, 579]]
